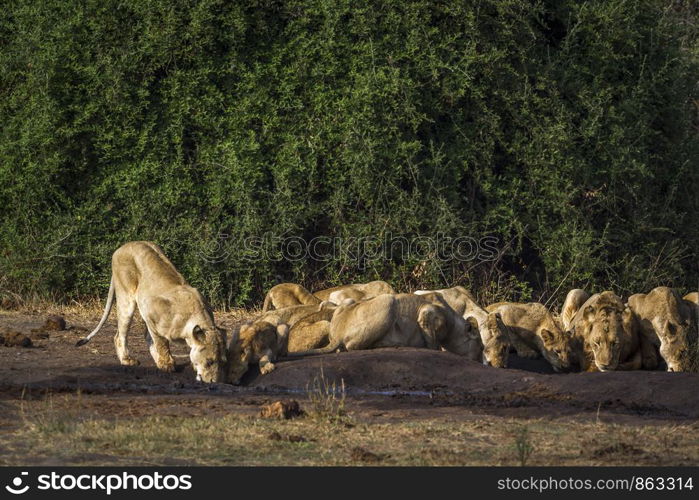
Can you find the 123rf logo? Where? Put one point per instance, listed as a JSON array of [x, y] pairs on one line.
[[107, 483]]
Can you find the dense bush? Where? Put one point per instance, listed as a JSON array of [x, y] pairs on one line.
[[565, 131]]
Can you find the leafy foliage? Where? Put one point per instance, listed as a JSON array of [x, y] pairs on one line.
[[564, 130]]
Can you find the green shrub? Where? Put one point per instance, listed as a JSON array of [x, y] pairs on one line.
[[566, 130]]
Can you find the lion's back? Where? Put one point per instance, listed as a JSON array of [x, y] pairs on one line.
[[138, 262]]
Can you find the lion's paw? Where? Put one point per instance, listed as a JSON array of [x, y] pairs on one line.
[[269, 367], [167, 367], [129, 361]]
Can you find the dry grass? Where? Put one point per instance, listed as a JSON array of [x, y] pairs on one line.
[[86, 307], [523, 445], [48, 418], [94, 307], [53, 431], [326, 399], [91, 309]]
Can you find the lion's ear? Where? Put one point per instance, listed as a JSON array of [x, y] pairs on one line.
[[198, 334], [473, 322], [546, 335]]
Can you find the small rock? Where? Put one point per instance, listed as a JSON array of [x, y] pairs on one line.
[[359, 454], [281, 409], [54, 322]]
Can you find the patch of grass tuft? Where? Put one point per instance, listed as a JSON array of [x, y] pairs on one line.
[[523, 445], [326, 400], [49, 420]]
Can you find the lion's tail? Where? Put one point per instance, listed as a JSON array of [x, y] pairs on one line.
[[107, 308]]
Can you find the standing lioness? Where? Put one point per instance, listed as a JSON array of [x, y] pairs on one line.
[[173, 311]]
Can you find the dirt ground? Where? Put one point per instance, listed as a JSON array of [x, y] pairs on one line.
[[390, 389]]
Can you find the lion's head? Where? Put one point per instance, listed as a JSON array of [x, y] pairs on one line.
[[496, 343], [208, 353], [254, 341], [556, 348], [464, 339], [675, 346], [603, 318]]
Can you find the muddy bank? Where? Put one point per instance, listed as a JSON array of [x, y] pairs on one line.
[[449, 379], [395, 376]]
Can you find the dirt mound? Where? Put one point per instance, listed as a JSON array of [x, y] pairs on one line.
[[451, 380], [282, 410]]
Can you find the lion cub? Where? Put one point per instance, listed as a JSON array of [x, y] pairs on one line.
[[402, 320], [535, 332], [356, 292], [494, 334], [668, 323], [287, 295], [606, 335], [266, 338]]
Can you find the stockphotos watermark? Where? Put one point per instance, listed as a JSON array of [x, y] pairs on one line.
[[351, 250], [105, 483]]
